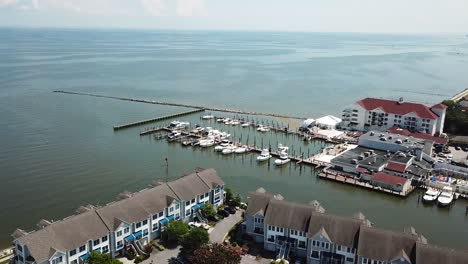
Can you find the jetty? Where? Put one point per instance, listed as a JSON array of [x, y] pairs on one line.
[[208, 108], [142, 122]]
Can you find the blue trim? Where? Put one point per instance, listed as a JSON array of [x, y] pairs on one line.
[[170, 218], [164, 221], [137, 234], [84, 257], [129, 238]]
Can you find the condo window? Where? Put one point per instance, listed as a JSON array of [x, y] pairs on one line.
[[119, 244], [187, 212], [20, 248], [193, 200], [187, 203], [339, 247], [302, 244], [57, 260], [73, 252], [75, 261], [82, 248], [207, 194], [171, 209], [145, 232], [315, 254], [177, 206], [105, 249], [126, 230], [155, 227], [138, 225], [104, 239], [145, 222], [96, 242], [348, 259], [161, 214], [119, 233]]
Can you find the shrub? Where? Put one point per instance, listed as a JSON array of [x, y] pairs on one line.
[[175, 232], [208, 210], [195, 239], [148, 249]]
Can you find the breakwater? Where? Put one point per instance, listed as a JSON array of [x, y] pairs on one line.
[[207, 108]]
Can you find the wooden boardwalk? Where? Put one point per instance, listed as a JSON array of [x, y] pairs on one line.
[[139, 123], [208, 108]]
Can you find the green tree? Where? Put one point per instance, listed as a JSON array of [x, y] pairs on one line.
[[99, 258], [456, 120], [229, 194], [216, 254], [175, 232], [236, 201], [208, 210], [195, 239]]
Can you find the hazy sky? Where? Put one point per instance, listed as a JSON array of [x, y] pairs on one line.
[[282, 15]]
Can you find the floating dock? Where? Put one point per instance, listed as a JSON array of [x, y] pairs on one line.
[[139, 123], [214, 109]]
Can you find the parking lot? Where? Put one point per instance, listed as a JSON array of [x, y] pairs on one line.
[[458, 155]]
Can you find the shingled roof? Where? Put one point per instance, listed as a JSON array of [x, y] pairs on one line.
[[257, 202], [395, 107], [385, 245], [190, 186], [64, 235], [427, 254], [341, 230], [289, 215]]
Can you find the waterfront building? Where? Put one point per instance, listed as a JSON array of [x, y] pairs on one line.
[[328, 122], [304, 231], [129, 223], [380, 114]]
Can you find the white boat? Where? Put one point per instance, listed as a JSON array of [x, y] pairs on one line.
[[207, 117], [220, 120], [446, 196], [174, 123], [207, 143], [262, 128], [182, 125], [235, 122], [240, 150], [282, 148], [219, 148], [173, 135], [229, 149], [431, 195], [245, 125], [264, 155], [283, 159]]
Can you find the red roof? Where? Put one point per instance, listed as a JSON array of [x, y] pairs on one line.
[[439, 106], [394, 107], [388, 178], [361, 169], [404, 132], [395, 166]]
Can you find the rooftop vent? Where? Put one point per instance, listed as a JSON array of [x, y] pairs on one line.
[[360, 157], [401, 100], [354, 161], [383, 139], [372, 133]]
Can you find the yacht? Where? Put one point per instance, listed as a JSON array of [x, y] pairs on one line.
[[282, 148], [240, 150], [173, 135], [235, 122], [264, 155], [174, 123], [220, 120], [245, 125], [262, 128], [182, 125], [446, 196], [283, 159], [431, 195], [208, 117], [229, 149], [207, 143]]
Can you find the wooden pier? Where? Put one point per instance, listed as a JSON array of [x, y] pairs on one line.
[[139, 123], [215, 109]]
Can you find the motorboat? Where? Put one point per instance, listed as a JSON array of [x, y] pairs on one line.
[[224, 144], [229, 149], [173, 135], [446, 196], [208, 117], [235, 122], [282, 148], [245, 125], [240, 150], [196, 142], [197, 130], [283, 159], [431, 195], [262, 128], [174, 123], [264, 155], [186, 143], [207, 143], [220, 120], [182, 125], [219, 148]]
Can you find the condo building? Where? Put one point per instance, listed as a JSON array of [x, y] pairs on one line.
[[128, 223], [304, 231], [381, 115]]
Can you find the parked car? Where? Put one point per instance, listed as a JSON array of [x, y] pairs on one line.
[[223, 212], [213, 218], [458, 148], [194, 224], [465, 149], [230, 210]]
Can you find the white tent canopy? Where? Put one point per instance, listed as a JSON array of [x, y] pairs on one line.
[[329, 122]]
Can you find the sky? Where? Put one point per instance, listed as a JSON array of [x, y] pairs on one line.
[[378, 16]]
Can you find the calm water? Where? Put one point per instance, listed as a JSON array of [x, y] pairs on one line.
[[59, 151]]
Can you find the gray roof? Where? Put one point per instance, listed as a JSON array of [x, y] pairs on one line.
[[257, 202], [343, 231], [289, 215], [210, 177], [385, 245], [427, 254], [192, 185], [64, 235]]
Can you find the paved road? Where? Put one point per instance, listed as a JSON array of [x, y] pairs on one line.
[[222, 227]]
